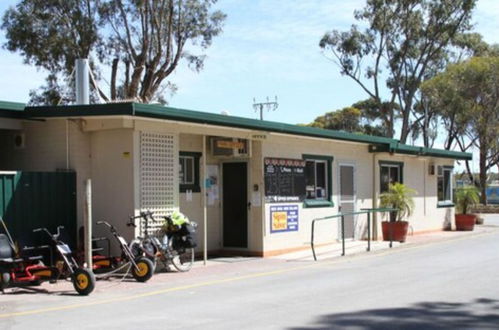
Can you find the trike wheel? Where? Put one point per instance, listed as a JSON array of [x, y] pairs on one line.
[[144, 270], [183, 259], [83, 281], [4, 279]]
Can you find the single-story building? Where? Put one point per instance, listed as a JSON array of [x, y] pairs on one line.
[[255, 185]]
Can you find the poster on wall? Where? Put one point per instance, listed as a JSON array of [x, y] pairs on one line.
[[211, 184], [283, 218], [284, 180]]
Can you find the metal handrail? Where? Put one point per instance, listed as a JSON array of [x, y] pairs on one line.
[[367, 211]]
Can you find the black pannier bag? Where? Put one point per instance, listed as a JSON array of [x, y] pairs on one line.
[[186, 236]]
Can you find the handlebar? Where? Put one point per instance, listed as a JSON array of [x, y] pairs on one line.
[[104, 223], [146, 215], [53, 236]]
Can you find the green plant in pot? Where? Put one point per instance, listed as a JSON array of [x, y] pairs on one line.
[[399, 197], [466, 197]]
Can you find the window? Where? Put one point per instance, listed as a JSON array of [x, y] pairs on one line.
[[186, 170], [316, 179], [318, 183], [189, 171], [390, 172], [444, 185]]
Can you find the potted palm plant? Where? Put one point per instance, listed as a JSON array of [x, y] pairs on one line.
[[399, 197], [466, 197]]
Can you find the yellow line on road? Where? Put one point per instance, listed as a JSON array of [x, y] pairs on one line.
[[231, 279], [158, 292]]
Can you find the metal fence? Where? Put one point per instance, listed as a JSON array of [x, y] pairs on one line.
[[341, 216]]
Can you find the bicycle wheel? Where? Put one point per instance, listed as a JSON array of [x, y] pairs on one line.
[[182, 259], [144, 248]]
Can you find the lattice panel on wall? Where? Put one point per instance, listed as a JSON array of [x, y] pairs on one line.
[[158, 175]]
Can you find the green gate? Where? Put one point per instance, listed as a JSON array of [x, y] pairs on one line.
[[30, 200]]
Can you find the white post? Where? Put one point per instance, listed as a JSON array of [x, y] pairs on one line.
[[87, 223], [205, 210]]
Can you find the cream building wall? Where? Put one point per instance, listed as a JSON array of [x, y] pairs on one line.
[[426, 217], [112, 169], [108, 151], [326, 231]]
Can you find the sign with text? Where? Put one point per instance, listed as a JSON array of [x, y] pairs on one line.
[[283, 218], [284, 180]]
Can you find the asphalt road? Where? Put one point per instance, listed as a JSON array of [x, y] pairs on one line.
[[451, 284]]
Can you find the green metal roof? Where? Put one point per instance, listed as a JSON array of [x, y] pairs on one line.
[[11, 109], [380, 144]]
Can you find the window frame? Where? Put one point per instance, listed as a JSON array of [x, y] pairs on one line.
[[390, 164], [446, 202], [327, 201], [194, 186]]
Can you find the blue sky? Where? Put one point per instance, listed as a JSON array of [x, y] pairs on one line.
[[268, 48]]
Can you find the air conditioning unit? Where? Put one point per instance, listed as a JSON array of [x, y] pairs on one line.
[[19, 141], [230, 147]]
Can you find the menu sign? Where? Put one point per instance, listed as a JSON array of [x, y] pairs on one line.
[[284, 180]]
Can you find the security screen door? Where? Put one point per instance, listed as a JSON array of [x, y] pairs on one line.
[[347, 198], [235, 205]]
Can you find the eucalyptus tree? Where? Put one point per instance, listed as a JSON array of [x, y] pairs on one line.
[[140, 43], [467, 96], [403, 43]]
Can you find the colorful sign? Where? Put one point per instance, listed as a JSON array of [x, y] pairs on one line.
[[224, 144], [283, 218]]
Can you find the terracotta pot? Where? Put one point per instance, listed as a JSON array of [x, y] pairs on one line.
[[465, 221], [398, 229]]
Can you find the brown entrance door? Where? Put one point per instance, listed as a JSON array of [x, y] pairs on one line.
[[235, 204]]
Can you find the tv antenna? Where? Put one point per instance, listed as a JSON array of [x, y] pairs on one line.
[[269, 106]]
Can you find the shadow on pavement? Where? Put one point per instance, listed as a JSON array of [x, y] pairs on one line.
[[478, 314]]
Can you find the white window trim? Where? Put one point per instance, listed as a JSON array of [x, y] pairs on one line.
[[326, 178], [450, 170], [183, 167]]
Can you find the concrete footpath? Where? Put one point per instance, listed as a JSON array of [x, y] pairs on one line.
[[219, 268], [327, 252]]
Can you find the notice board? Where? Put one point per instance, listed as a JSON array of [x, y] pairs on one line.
[[284, 180], [283, 218]]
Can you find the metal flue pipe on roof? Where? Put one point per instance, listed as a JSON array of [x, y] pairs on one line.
[[82, 81]]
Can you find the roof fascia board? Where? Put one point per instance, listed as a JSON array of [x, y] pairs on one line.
[[166, 113], [398, 148], [253, 124]]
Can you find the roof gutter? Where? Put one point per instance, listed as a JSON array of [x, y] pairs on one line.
[[398, 148]]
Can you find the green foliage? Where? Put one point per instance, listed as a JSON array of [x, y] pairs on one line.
[[466, 197], [346, 119], [467, 97], [405, 42], [142, 42], [400, 197], [361, 117]]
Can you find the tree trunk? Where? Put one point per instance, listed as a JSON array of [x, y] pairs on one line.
[[483, 172]]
